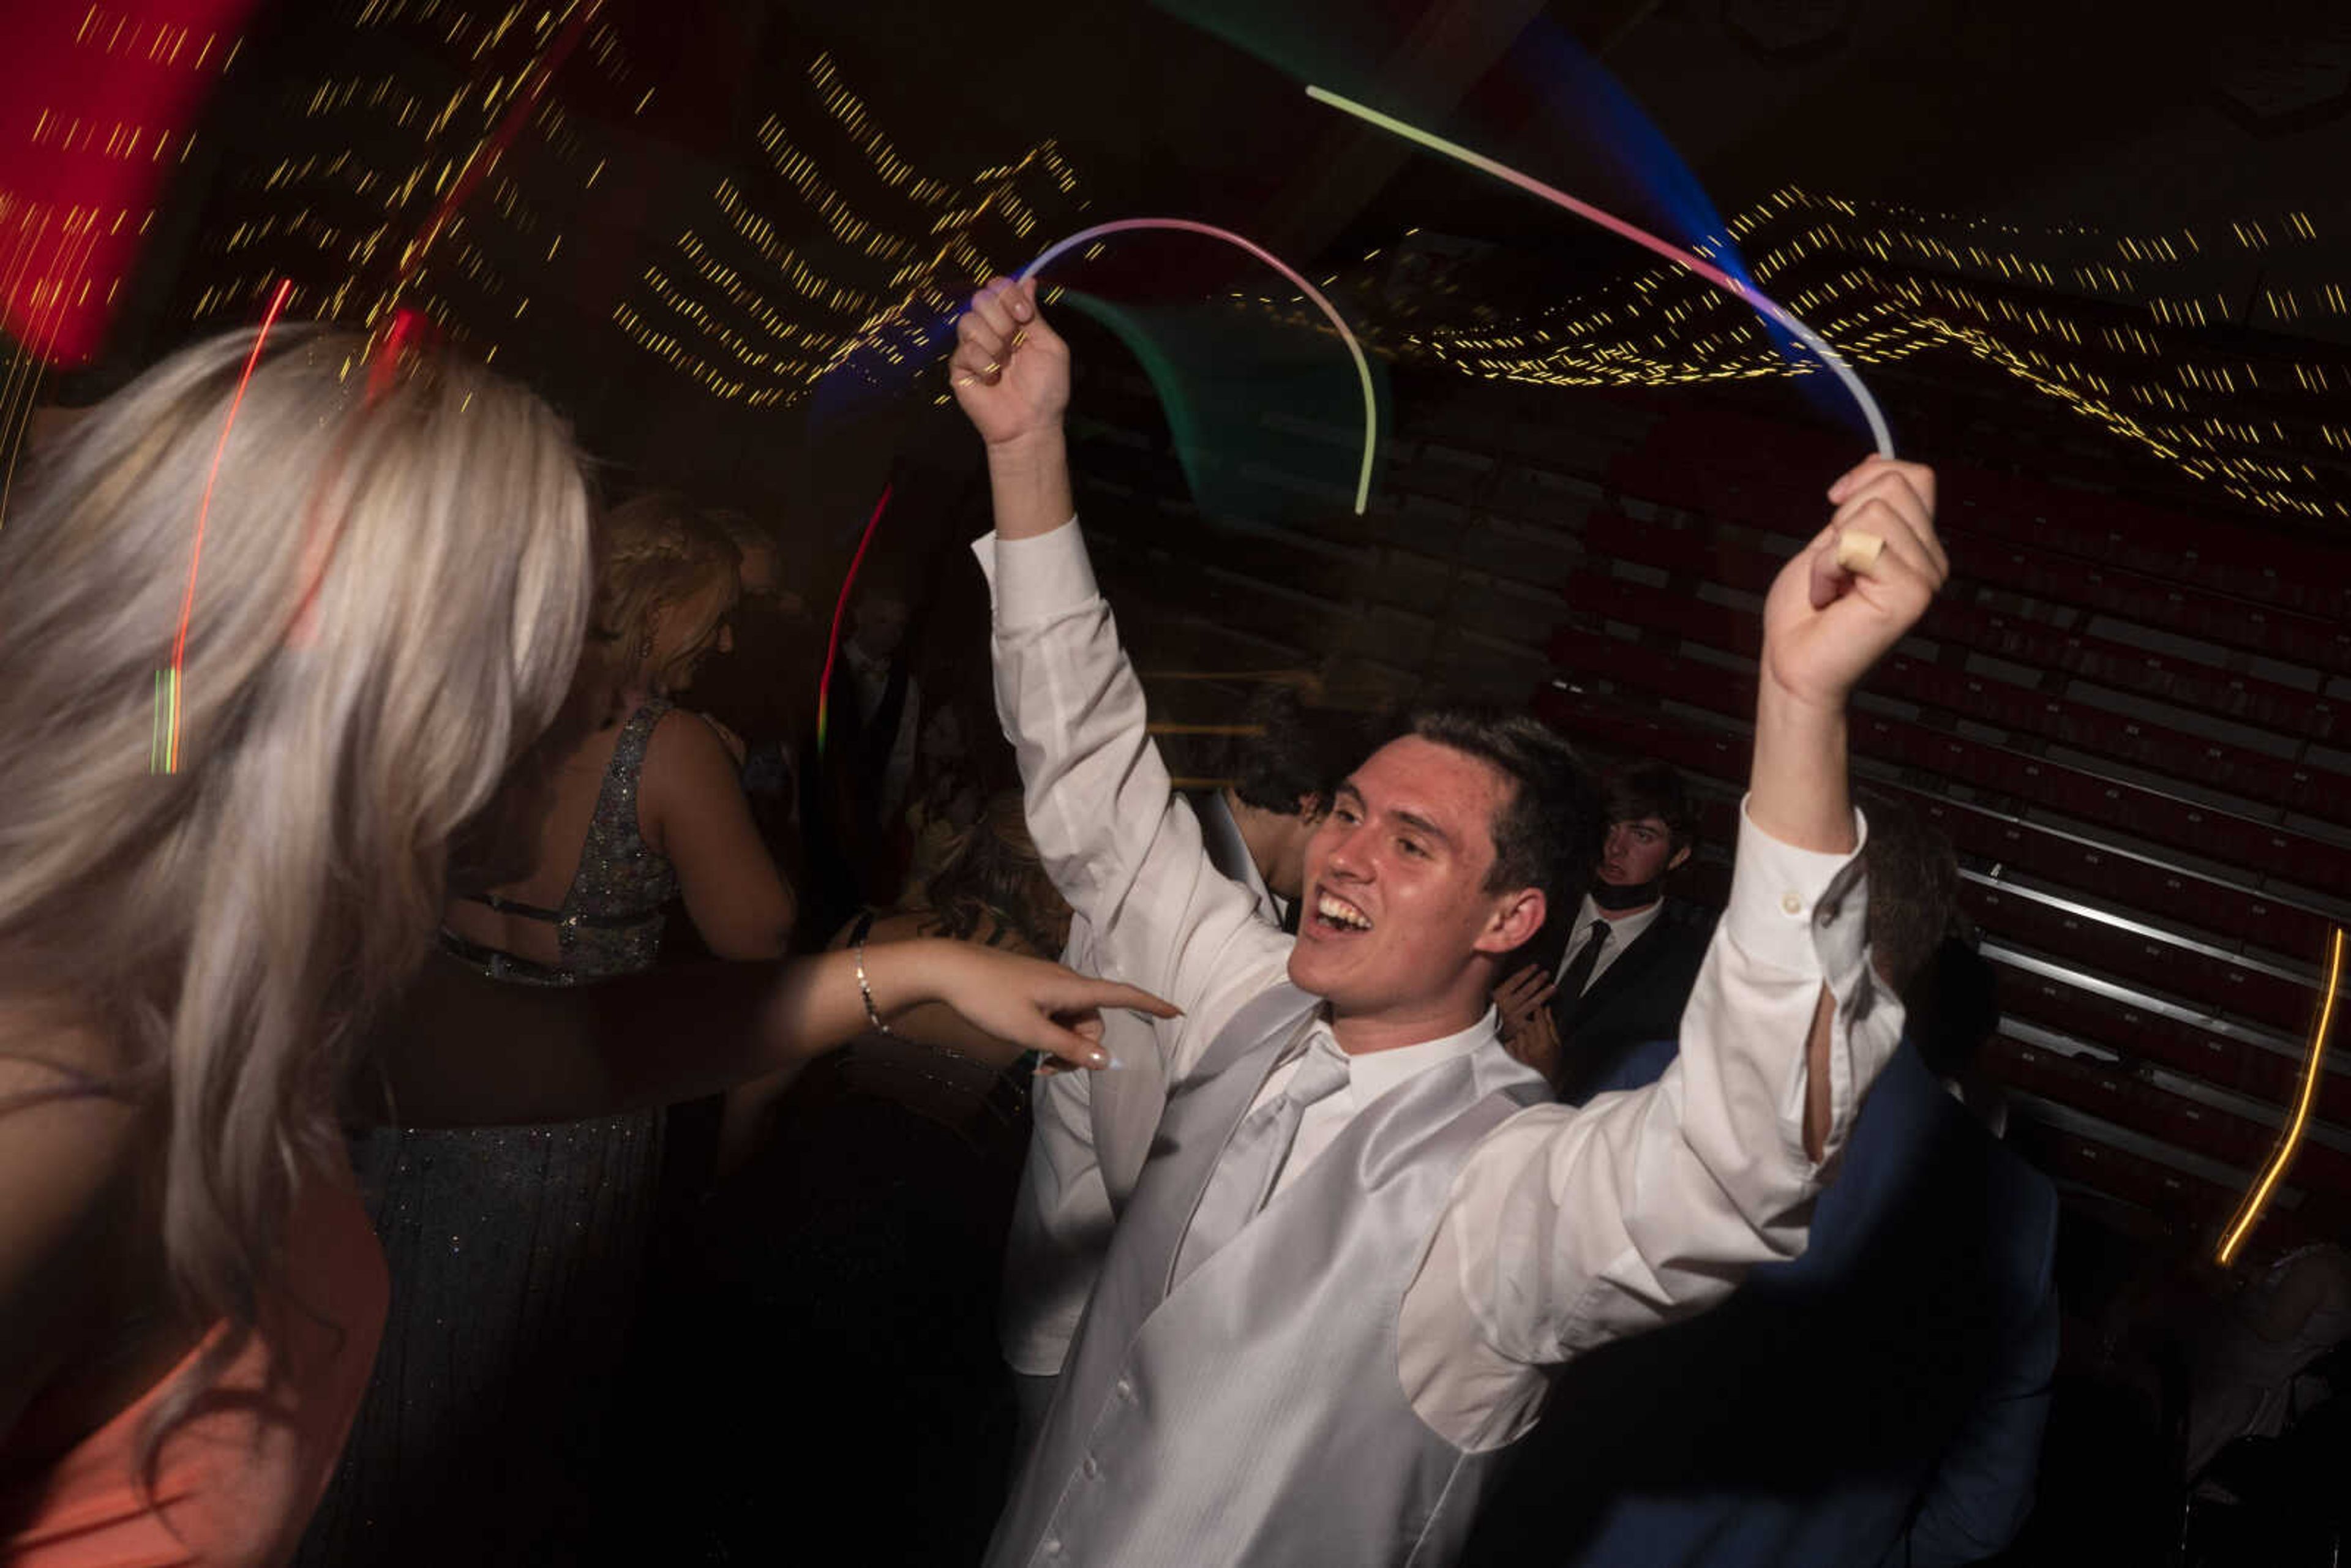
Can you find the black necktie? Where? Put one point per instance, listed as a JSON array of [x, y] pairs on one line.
[[1578, 973]]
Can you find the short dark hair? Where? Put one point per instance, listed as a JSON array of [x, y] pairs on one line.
[[1914, 885], [1294, 752], [1634, 791], [1548, 833]]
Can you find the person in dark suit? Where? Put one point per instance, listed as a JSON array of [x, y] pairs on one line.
[[1877, 1400], [1616, 973]]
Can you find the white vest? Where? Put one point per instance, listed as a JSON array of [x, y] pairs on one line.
[[1254, 1415]]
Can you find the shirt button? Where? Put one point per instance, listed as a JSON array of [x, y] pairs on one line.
[[1792, 903], [1092, 1467], [1126, 1389], [1053, 1546]]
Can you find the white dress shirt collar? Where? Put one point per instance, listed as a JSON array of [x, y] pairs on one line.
[[1375, 1072]]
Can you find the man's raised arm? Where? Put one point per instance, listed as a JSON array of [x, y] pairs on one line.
[[1824, 626], [1568, 1227], [1125, 853]]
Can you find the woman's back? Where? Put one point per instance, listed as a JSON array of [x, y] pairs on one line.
[[592, 905]]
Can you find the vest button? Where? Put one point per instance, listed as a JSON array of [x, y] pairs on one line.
[[1092, 1467], [1053, 1546], [1126, 1389]]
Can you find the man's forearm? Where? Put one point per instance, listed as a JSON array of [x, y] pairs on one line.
[[1028, 479], [1799, 791], [1800, 794]]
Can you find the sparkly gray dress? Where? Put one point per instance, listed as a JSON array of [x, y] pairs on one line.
[[517, 1256]]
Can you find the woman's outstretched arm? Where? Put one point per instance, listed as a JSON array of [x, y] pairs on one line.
[[462, 1049]]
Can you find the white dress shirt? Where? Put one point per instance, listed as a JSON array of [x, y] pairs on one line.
[[1623, 932], [1086, 1148], [1568, 1226]]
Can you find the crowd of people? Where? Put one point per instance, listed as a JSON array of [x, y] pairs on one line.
[[506, 1088]]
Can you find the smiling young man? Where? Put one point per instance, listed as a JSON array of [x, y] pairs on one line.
[[1361, 1237]]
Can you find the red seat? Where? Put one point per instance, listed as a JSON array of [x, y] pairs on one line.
[[2182, 1201], [2035, 565], [2128, 883], [2165, 968], [2236, 558], [2204, 830], [1636, 603], [2142, 1034]]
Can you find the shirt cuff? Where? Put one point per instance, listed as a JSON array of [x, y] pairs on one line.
[[1032, 580], [1787, 903]]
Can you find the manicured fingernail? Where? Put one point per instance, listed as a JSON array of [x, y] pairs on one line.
[[1100, 1060], [1021, 311]]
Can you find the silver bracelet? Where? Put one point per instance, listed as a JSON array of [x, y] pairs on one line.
[[865, 990]]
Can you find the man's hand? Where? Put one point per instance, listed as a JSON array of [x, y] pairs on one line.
[[1011, 376], [1010, 371], [1824, 625], [1537, 1044], [1520, 996]]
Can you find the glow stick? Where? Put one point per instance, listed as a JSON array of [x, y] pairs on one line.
[[1614, 224], [2258, 1198], [1187, 226], [841, 610]]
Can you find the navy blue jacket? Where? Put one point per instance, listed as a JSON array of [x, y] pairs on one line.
[[1879, 1400]]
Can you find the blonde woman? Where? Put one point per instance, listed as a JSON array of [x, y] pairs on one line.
[[647, 807], [207, 904], [518, 1254]]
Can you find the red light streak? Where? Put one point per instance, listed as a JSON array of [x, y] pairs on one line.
[[204, 513]]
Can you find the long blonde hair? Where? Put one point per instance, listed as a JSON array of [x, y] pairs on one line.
[[394, 588]]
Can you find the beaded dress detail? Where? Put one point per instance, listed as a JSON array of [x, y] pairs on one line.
[[517, 1258]]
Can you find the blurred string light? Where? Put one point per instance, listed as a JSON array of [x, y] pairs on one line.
[[766, 296], [103, 102], [507, 122], [1885, 283], [374, 231], [749, 317], [2257, 1198], [1697, 266], [65, 284]]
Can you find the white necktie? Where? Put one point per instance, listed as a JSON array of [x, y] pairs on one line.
[[1252, 1161]]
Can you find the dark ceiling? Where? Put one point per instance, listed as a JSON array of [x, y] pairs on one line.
[[2037, 113]]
